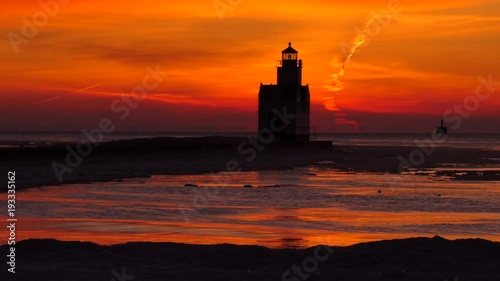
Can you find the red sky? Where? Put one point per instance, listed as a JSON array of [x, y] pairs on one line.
[[89, 53]]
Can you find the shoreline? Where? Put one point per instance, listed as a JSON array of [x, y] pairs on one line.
[[408, 259], [141, 158]]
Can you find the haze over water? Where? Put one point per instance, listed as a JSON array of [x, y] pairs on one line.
[[312, 205], [485, 141]]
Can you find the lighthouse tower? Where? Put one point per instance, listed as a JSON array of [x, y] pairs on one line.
[[288, 96]]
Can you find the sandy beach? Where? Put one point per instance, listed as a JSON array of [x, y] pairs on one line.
[[408, 259]]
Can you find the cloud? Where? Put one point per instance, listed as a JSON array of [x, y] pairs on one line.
[[428, 56]]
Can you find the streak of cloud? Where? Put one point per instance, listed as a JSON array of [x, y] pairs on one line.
[[82, 90]]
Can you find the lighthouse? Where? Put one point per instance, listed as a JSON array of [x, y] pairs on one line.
[[287, 96]]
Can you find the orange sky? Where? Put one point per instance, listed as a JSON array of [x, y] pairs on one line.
[[91, 52]]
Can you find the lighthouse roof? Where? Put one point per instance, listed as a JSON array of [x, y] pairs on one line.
[[289, 49], [284, 92]]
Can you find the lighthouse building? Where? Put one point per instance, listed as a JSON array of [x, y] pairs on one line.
[[288, 95]]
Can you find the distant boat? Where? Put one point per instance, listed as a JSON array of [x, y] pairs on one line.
[[442, 130]]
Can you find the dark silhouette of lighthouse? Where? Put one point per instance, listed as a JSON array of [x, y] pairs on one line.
[[289, 96], [442, 130]]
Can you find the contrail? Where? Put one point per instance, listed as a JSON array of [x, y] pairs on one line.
[[78, 91], [337, 85], [358, 41], [67, 94]]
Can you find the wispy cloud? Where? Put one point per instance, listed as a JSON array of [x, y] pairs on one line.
[[82, 90]]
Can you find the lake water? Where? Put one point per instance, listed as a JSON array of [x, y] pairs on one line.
[[293, 208], [487, 141]]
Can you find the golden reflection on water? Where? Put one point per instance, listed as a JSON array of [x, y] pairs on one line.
[[63, 211], [114, 233]]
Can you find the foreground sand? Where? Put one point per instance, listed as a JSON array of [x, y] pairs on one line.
[[425, 259]]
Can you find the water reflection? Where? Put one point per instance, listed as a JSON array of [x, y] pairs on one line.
[[308, 206]]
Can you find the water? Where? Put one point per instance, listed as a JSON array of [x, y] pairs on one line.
[[486, 141], [482, 141], [310, 206], [314, 205]]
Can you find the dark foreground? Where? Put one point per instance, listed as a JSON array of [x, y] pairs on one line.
[[426, 259]]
